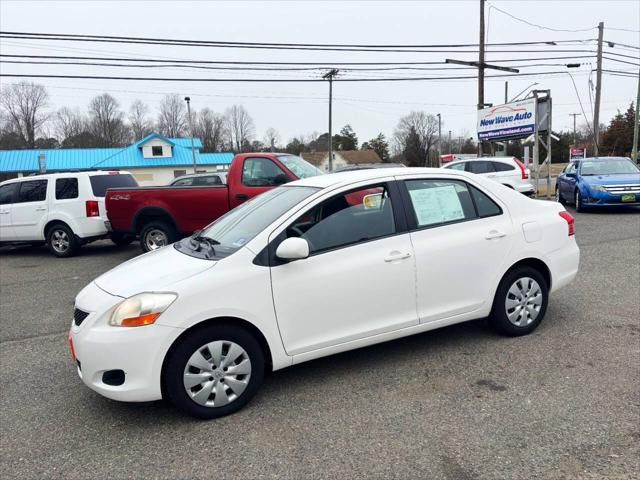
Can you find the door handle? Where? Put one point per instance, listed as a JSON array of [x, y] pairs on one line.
[[5, 213], [41, 209], [493, 234], [241, 196], [394, 256]]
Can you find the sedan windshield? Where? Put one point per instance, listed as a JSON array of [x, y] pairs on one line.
[[234, 229], [619, 166], [298, 166]]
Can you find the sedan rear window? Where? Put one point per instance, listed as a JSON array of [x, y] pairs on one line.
[[100, 183]]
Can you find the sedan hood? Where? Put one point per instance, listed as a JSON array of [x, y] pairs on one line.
[[152, 272], [612, 179]]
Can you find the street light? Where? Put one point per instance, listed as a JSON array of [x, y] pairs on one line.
[[193, 148], [514, 98]]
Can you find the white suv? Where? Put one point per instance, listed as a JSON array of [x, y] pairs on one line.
[[508, 171], [65, 210]]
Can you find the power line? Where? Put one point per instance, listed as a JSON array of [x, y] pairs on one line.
[[88, 37], [541, 26], [318, 64], [255, 80], [252, 68]]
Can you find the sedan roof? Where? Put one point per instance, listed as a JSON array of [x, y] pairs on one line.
[[353, 176]]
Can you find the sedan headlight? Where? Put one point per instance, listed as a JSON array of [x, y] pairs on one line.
[[598, 188], [141, 309]]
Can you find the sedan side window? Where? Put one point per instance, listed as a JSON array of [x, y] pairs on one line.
[[457, 166], [571, 168], [207, 181], [32, 191], [6, 193], [184, 182], [262, 172], [437, 202], [346, 219]]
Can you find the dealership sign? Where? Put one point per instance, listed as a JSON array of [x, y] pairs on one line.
[[577, 153], [511, 120]]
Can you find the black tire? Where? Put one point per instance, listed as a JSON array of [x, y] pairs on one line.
[[559, 198], [499, 318], [122, 239], [61, 241], [578, 201], [153, 228], [177, 360]]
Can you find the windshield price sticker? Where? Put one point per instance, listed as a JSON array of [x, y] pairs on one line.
[[436, 205]]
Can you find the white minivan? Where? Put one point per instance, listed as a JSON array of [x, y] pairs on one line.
[[509, 171], [65, 210]]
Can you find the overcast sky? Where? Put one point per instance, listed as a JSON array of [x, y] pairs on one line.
[[295, 109]]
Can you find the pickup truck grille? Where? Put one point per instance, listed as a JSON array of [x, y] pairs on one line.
[[623, 189], [79, 316]]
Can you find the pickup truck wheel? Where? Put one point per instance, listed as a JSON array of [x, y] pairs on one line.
[[155, 235], [214, 371], [61, 241], [122, 240]]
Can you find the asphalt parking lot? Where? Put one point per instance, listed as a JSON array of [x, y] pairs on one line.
[[457, 403]]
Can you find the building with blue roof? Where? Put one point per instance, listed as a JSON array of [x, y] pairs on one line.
[[153, 160]]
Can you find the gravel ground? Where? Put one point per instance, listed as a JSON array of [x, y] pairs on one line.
[[457, 403]]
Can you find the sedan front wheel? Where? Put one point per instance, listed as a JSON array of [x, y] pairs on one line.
[[214, 371]]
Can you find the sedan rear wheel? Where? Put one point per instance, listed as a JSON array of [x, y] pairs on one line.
[[214, 371], [520, 302], [559, 198]]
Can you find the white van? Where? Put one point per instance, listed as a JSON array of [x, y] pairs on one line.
[[65, 210]]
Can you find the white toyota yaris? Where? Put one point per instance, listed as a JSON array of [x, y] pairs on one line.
[[315, 267]]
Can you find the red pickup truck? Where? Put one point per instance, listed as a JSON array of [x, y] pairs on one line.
[[161, 215]]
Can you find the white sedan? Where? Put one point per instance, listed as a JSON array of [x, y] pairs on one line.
[[316, 267]]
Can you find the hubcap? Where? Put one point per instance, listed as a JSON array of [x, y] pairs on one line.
[[523, 302], [577, 199], [60, 241], [557, 194], [217, 373], [155, 239]]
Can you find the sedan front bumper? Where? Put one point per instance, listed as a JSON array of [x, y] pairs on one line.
[[103, 351]]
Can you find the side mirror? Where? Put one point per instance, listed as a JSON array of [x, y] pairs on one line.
[[281, 179], [570, 175], [293, 248]]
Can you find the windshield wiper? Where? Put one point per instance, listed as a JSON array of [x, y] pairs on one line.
[[197, 241]]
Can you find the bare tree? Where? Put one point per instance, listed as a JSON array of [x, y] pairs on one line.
[[68, 123], [172, 119], [209, 127], [239, 128], [141, 124], [106, 121], [271, 138], [415, 137], [24, 105]]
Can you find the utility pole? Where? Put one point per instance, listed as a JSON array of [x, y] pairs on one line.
[[481, 69], [439, 140], [450, 147], [329, 76], [596, 108], [506, 92], [193, 148], [634, 149], [575, 138]]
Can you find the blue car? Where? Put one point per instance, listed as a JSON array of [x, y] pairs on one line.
[[599, 181]]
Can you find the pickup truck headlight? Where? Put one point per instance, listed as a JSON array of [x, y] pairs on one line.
[[141, 309], [598, 188]]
